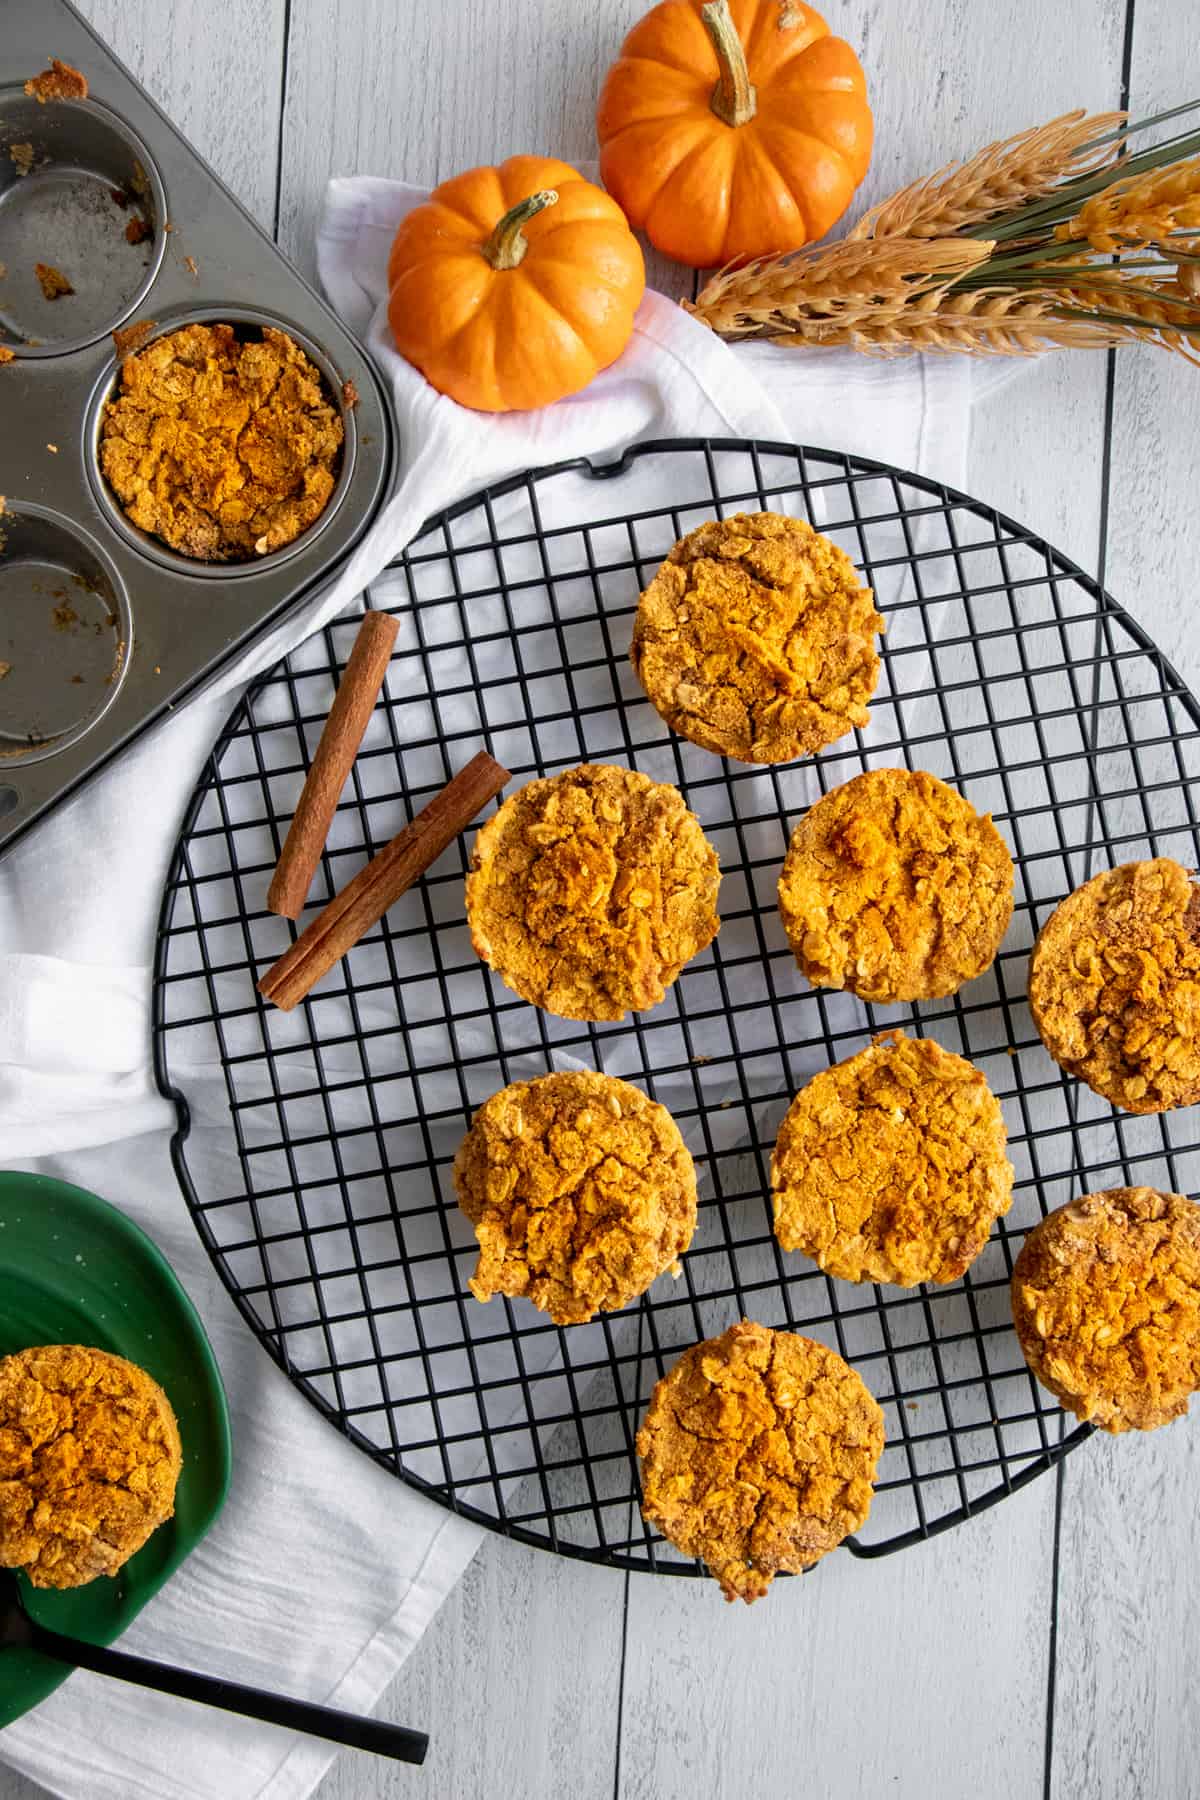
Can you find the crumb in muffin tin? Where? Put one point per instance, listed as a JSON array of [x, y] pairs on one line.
[[59, 82], [53, 283]]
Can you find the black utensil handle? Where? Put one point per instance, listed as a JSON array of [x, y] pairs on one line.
[[376, 1735]]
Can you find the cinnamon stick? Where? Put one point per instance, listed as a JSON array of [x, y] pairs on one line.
[[348, 719], [363, 901]]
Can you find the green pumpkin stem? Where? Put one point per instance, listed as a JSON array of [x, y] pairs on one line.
[[734, 99], [507, 245]]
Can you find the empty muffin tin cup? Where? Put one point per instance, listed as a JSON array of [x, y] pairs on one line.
[[80, 199], [248, 322], [65, 636]]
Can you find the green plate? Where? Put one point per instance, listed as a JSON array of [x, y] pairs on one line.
[[74, 1270]]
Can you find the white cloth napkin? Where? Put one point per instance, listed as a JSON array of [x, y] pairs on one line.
[[323, 1571]]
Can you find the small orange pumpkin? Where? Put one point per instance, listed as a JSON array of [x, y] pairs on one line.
[[735, 129], [512, 287]]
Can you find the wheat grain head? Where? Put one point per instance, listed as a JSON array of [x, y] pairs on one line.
[[1000, 177], [849, 277], [1141, 209]]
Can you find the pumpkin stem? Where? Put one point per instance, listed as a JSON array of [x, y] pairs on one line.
[[507, 245], [734, 98]]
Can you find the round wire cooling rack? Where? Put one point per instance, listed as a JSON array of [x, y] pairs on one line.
[[314, 1148]]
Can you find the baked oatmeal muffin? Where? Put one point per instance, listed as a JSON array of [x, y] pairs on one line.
[[89, 1459], [756, 639], [895, 888], [581, 1192], [225, 447], [891, 1166], [589, 891], [1106, 1302], [759, 1451], [1114, 985]]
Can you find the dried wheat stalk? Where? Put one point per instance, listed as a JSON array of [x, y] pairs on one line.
[[979, 322], [1164, 313], [1009, 253], [1002, 176], [840, 284]]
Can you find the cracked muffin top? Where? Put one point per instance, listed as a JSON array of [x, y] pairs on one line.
[[891, 1166], [759, 1451], [581, 1192], [756, 639], [89, 1460], [1114, 985], [590, 890], [895, 888], [1106, 1302], [225, 448]]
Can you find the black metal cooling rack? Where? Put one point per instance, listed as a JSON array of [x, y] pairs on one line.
[[314, 1148]]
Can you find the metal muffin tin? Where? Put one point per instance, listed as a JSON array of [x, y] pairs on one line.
[[103, 629]]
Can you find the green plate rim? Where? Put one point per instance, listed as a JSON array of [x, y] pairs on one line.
[[127, 1233]]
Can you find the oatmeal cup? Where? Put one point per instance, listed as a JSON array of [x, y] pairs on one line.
[[756, 639], [892, 1166], [759, 1451], [1114, 985], [895, 888], [90, 1456], [1106, 1305], [581, 1191], [220, 441], [590, 890]]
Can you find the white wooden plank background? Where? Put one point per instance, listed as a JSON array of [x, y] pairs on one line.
[[927, 1674], [1127, 1712]]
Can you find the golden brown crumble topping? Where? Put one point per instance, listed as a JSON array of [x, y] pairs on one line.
[[891, 1166], [1106, 1302], [759, 1451], [581, 1191], [89, 1459], [225, 448], [589, 891], [52, 281], [1114, 985], [896, 888], [756, 639], [59, 82]]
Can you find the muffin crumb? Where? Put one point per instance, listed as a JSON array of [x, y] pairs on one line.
[[128, 339], [53, 283], [59, 82]]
